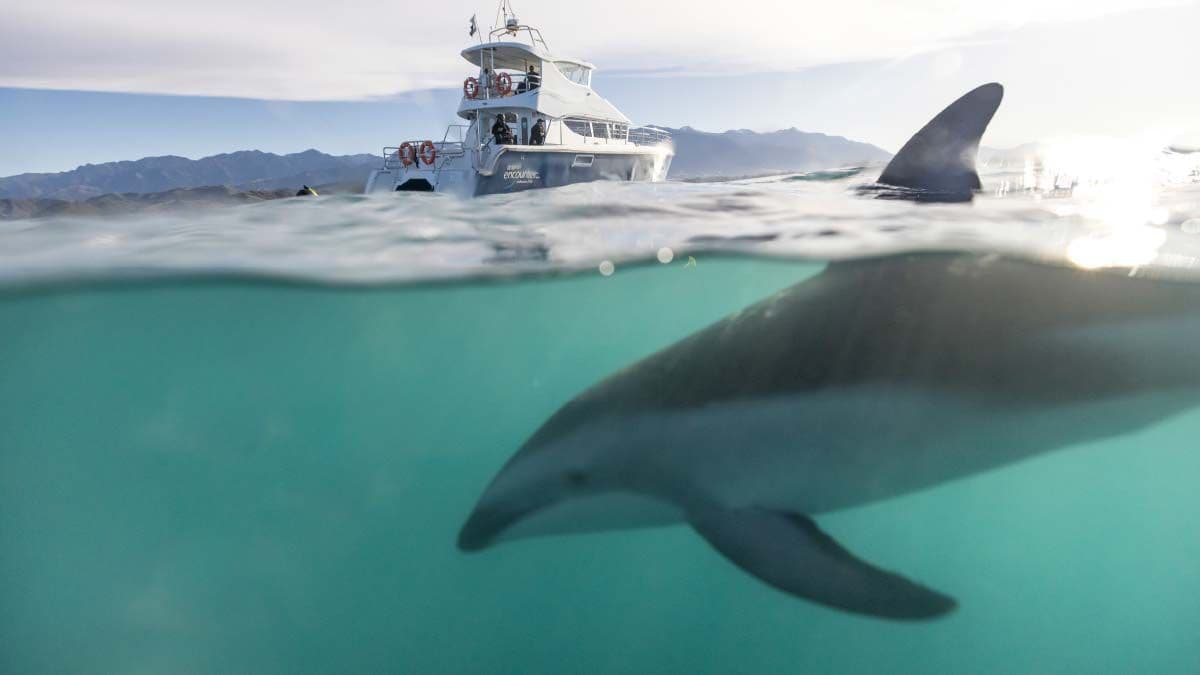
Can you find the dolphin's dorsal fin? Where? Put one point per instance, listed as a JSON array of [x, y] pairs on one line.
[[788, 551], [941, 156]]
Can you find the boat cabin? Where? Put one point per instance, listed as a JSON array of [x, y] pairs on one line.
[[525, 82], [517, 80]]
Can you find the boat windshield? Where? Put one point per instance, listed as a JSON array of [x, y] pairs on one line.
[[575, 72]]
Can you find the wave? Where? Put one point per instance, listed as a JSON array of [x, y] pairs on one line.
[[415, 238]]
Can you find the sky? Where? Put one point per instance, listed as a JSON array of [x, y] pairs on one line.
[[88, 83]]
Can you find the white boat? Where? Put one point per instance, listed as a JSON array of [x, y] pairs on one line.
[[585, 137]]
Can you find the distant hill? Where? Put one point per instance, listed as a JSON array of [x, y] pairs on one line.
[[248, 169], [116, 204], [748, 153], [698, 154]]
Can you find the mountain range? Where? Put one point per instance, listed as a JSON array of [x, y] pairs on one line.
[[178, 199], [698, 153], [703, 154], [246, 170]]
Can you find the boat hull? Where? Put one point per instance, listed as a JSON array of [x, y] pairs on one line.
[[518, 170]]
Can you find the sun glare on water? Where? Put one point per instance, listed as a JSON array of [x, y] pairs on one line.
[[1116, 185]]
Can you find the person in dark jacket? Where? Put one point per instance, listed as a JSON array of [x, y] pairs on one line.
[[500, 131], [537, 135], [532, 79]]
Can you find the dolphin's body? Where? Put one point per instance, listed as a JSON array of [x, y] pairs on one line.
[[873, 379]]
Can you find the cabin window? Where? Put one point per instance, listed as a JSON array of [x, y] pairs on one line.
[[578, 126], [598, 129]]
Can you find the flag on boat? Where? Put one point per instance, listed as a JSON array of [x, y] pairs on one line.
[[474, 28]]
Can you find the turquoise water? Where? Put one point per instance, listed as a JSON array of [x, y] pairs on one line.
[[224, 475]]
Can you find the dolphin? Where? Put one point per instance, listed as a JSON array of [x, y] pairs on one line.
[[875, 378]]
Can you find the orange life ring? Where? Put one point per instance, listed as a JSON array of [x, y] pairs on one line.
[[470, 87], [408, 154], [428, 153], [504, 83]]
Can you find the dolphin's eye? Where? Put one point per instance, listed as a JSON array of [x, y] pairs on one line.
[[576, 477]]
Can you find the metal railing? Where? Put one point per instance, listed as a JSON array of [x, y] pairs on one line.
[[454, 143], [447, 149], [616, 132], [520, 85], [514, 30], [648, 136]]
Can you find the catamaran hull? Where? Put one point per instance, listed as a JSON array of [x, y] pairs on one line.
[[528, 168], [519, 171]]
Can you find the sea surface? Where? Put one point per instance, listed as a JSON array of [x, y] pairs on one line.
[[244, 440]]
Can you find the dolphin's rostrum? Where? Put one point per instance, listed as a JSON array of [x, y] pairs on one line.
[[876, 378]]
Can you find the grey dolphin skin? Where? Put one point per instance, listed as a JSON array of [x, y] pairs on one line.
[[938, 163], [876, 378]]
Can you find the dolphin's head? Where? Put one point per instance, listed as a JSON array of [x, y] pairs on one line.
[[583, 471], [538, 479]]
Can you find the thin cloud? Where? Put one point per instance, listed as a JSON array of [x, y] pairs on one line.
[[303, 50]]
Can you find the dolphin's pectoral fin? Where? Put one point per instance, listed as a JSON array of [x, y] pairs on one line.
[[788, 551]]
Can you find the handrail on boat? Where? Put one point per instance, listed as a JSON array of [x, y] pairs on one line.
[[616, 131], [488, 90], [648, 135], [446, 149], [391, 155], [535, 35]]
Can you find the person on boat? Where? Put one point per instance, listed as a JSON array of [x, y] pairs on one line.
[[486, 82], [532, 79], [537, 135], [500, 131]]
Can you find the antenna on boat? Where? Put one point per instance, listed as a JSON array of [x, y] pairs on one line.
[[507, 23], [509, 16]]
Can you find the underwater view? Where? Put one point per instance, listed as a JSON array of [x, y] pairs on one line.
[[669, 339], [279, 438]]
